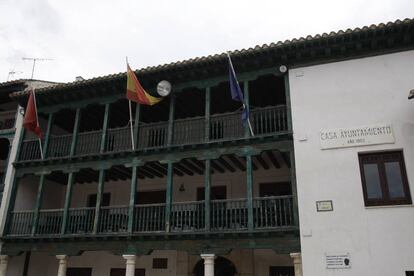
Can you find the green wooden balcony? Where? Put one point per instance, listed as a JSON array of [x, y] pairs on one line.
[[7, 119], [230, 215], [222, 127]]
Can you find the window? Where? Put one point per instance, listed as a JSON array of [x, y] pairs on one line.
[[217, 192], [409, 273], [79, 271], [106, 199], [384, 179], [160, 263]]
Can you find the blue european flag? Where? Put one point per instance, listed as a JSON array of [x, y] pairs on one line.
[[236, 93]]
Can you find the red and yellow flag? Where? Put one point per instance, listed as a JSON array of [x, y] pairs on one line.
[[30, 121], [135, 92]]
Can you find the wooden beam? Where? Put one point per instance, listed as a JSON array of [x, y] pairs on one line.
[[273, 159], [38, 204], [198, 163], [68, 198], [226, 164], [99, 195], [105, 128], [183, 169], [169, 195], [152, 171], [217, 167], [192, 166], [207, 193], [249, 182], [236, 162], [286, 159], [262, 162], [131, 206], [171, 121], [145, 173], [75, 132], [47, 136]]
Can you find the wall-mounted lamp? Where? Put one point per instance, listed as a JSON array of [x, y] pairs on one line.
[[182, 188]]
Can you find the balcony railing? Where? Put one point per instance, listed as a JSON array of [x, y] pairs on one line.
[[223, 127], [7, 119], [269, 213]]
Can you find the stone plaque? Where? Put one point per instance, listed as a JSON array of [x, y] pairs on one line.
[[337, 260], [324, 206], [356, 136]]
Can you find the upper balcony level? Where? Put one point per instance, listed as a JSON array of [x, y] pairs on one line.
[[7, 120], [192, 118]]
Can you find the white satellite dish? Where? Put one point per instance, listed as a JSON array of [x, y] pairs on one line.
[[164, 88]]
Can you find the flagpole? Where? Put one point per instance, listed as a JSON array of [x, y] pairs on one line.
[[37, 121], [130, 116], [244, 105]]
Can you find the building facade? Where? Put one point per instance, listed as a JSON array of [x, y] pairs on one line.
[[185, 189]]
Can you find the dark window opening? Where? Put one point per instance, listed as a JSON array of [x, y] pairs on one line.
[[384, 178], [79, 271], [268, 90], [4, 148], [155, 113], [190, 103], [119, 113], [63, 122], [121, 272], [281, 271], [275, 189], [221, 101], [409, 273], [150, 197], [217, 192], [160, 263], [92, 118], [106, 199]]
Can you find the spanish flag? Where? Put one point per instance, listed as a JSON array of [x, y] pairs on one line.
[[135, 92]]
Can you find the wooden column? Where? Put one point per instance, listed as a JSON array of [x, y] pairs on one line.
[[75, 132], [63, 263], [130, 264], [294, 189], [249, 182], [207, 116], [47, 135], [136, 124], [68, 198], [99, 195], [10, 207], [169, 193], [132, 197], [207, 193], [288, 104], [105, 127], [38, 203], [247, 103], [171, 121]]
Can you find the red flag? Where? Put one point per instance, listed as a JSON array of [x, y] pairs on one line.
[[30, 121]]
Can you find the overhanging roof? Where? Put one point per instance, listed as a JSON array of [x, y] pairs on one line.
[[359, 42]]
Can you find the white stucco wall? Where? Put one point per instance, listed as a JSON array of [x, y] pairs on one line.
[[345, 94]]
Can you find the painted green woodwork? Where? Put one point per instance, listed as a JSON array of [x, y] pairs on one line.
[[105, 127], [294, 188], [101, 182], [171, 121], [136, 124], [132, 195], [207, 115], [288, 103], [47, 135], [68, 198], [38, 203], [75, 131], [247, 103], [280, 243], [10, 206], [282, 143], [169, 194], [207, 193], [249, 187]]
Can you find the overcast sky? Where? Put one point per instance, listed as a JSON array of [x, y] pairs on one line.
[[91, 38]]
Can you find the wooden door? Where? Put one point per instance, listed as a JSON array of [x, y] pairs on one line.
[[281, 271], [121, 272], [79, 271]]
